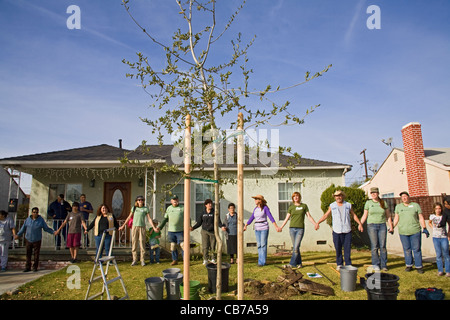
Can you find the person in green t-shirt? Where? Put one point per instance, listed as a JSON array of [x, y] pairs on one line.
[[138, 230], [409, 217], [376, 213], [175, 216], [296, 213]]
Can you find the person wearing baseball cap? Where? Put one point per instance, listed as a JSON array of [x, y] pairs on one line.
[[377, 214], [341, 213], [175, 217], [138, 229], [409, 217]]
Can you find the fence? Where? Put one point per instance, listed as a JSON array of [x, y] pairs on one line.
[[123, 237], [426, 203]]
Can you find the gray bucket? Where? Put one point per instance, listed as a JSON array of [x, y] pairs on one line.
[[173, 281], [348, 278], [155, 288], [171, 271]]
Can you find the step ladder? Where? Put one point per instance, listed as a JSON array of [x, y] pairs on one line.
[[102, 264]]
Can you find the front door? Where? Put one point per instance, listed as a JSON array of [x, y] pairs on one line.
[[117, 196]]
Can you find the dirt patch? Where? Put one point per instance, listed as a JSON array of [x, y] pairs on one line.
[[289, 283]]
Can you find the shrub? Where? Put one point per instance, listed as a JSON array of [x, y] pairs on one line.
[[357, 197]]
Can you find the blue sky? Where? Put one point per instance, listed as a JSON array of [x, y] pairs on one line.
[[62, 88]]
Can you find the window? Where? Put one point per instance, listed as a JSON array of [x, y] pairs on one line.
[[203, 191], [285, 191], [71, 192], [177, 190]]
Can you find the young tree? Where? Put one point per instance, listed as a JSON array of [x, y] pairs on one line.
[[189, 84]]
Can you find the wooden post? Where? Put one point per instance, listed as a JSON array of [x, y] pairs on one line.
[[187, 209], [240, 207]]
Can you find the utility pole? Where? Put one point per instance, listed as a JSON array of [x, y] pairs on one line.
[[365, 162]]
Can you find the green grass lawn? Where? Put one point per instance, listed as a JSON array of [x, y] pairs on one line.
[[55, 286]]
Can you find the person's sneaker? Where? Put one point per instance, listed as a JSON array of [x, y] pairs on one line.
[[27, 270], [384, 269], [408, 269], [299, 266], [142, 263], [134, 263], [440, 274], [3, 270], [447, 274], [420, 270], [174, 262], [205, 262]]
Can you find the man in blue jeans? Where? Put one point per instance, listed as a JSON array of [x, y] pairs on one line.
[[341, 213], [409, 217], [32, 227]]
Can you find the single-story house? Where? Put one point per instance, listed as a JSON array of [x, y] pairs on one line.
[[98, 172], [423, 172]]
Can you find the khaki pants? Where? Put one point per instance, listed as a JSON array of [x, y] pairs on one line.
[[208, 244], [138, 236]]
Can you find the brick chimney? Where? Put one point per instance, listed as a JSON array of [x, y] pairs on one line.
[[414, 158]]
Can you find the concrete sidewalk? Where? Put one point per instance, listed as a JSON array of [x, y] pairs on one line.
[[11, 280], [14, 277]]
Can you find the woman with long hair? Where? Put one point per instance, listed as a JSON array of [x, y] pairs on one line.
[[260, 215], [296, 213], [104, 220]]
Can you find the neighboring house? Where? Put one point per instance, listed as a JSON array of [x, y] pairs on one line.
[[422, 172], [9, 189], [97, 172]]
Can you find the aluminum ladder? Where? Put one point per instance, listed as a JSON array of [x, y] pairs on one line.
[[100, 263]]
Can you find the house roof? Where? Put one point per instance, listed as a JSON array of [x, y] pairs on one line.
[[106, 155], [439, 155]]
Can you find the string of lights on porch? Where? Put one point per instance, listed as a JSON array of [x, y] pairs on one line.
[[90, 173]]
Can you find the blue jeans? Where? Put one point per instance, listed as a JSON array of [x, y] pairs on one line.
[[106, 244], [154, 257], [442, 255], [261, 241], [342, 240], [296, 237], [175, 238], [412, 246], [377, 235]]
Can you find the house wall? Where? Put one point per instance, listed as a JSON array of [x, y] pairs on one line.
[[391, 177], [438, 179], [313, 183], [41, 181]]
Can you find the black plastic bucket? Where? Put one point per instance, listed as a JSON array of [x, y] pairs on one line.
[[212, 276], [382, 286]]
